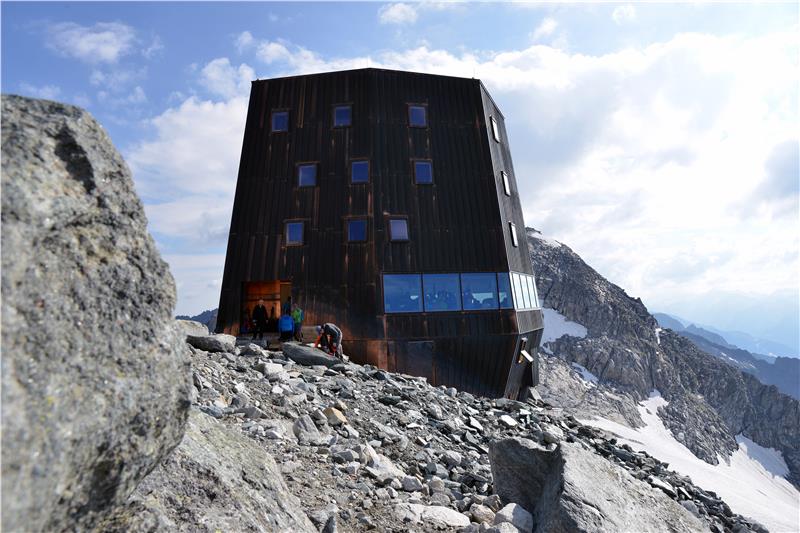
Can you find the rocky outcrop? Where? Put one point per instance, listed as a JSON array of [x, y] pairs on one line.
[[95, 378], [306, 355], [572, 489], [710, 402], [190, 327], [216, 480]]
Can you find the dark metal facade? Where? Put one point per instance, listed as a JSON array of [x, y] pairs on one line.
[[459, 223]]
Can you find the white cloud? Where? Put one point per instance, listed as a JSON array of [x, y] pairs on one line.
[[105, 42], [48, 92], [398, 13], [624, 13], [154, 48], [244, 41], [545, 29], [116, 79], [639, 159], [222, 79]]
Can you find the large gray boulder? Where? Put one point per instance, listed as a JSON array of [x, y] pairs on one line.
[[216, 480], [191, 327], [308, 356], [213, 343], [572, 489], [95, 378]]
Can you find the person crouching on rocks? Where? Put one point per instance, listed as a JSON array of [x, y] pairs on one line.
[[330, 339]]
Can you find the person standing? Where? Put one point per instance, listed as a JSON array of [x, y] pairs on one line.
[[287, 307], [259, 320], [297, 317]]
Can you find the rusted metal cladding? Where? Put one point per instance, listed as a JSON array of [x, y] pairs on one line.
[[459, 223]]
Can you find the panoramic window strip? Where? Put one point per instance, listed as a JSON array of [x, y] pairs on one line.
[[474, 291]]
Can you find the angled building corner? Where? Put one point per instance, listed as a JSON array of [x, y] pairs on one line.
[[386, 202]]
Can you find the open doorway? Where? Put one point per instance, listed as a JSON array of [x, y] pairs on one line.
[[273, 293]]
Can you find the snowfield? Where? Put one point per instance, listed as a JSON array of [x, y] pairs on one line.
[[556, 325], [751, 481], [590, 379]]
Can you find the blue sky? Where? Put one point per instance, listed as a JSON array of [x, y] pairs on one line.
[[659, 141]]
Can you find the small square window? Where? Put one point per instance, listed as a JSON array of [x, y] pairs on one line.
[[294, 233], [342, 116], [359, 172], [423, 172], [280, 121], [398, 229], [356, 230], [495, 129], [307, 175], [513, 230], [506, 185], [417, 116]]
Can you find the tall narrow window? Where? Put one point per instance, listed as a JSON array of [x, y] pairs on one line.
[[280, 121], [532, 290], [359, 172], [398, 229], [506, 184], [504, 290], [294, 233], [423, 172], [516, 286], [356, 230], [513, 229], [417, 116], [307, 175], [402, 293], [342, 116], [495, 129]]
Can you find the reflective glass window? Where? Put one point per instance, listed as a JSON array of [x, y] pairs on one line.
[[504, 290], [506, 185], [513, 230], [423, 172], [356, 230], [402, 293], [479, 291], [307, 175], [398, 229], [294, 233], [532, 291], [442, 292], [359, 172], [495, 129], [417, 116], [526, 295], [342, 116], [516, 285], [280, 121]]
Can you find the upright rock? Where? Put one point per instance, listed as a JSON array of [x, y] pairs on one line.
[[95, 377], [572, 489]]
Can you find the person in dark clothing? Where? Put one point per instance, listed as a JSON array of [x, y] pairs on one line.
[[272, 322], [287, 307], [330, 339], [259, 320]]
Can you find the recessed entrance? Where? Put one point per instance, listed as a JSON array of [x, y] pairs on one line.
[[274, 293]]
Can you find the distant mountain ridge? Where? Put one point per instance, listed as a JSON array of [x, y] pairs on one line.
[[709, 402], [208, 317]]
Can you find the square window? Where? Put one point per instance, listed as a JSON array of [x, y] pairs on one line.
[[398, 229], [423, 172], [513, 229], [506, 184], [307, 175], [417, 116], [280, 121], [342, 116], [294, 233], [359, 172], [442, 292], [479, 291], [356, 230], [495, 129], [401, 293]]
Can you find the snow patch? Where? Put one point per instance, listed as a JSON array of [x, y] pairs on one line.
[[587, 376], [545, 240], [751, 481], [556, 326], [658, 336]]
